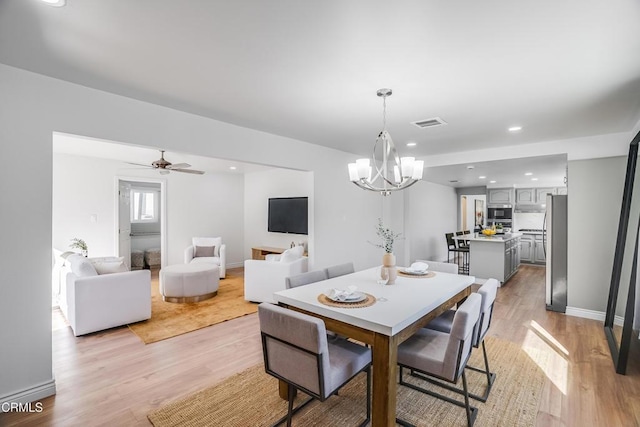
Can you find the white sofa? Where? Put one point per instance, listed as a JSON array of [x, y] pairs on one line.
[[92, 302], [219, 257], [263, 278]]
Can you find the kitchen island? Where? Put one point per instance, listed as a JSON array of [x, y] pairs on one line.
[[496, 257]]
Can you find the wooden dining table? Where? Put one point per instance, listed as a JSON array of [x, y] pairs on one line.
[[398, 312]]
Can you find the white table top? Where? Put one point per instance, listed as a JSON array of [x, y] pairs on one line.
[[409, 299]]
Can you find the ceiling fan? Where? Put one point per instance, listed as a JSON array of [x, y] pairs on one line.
[[164, 166]]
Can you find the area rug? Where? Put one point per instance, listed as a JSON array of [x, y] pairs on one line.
[[171, 319], [250, 398]]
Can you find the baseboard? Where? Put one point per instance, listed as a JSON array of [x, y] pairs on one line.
[[592, 314], [235, 264], [31, 394]]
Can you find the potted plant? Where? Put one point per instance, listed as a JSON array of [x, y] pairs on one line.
[[387, 237], [79, 244]]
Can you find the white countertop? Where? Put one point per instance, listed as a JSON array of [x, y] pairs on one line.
[[409, 298], [497, 238]]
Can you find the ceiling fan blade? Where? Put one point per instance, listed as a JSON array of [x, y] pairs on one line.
[[178, 166], [139, 164], [193, 171]]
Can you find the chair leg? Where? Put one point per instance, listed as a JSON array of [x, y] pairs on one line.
[[472, 413], [491, 377], [292, 395], [368, 397]]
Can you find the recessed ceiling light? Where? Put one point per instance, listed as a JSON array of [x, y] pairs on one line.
[[534, 179], [470, 167], [411, 144], [482, 177], [56, 3], [492, 182], [515, 129], [528, 174], [233, 168]]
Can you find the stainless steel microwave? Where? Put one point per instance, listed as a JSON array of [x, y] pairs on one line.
[[499, 213]]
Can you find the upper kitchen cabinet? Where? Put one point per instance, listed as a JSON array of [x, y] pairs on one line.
[[561, 191], [500, 196], [541, 194], [536, 195], [525, 195]]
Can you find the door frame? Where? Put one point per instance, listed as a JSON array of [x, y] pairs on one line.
[[163, 212]]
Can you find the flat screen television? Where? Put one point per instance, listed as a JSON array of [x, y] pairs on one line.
[[289, 215]]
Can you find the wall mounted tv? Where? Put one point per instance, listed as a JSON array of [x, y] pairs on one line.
[[289, 215]]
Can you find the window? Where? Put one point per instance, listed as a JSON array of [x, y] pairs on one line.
[[144, 205]]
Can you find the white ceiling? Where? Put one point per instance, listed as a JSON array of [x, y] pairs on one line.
[[91, 147], [310, 70]]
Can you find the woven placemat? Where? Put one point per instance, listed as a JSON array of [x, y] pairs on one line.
[[367, 302], [417, 276]]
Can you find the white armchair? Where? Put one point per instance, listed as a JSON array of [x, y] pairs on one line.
[[92, 302], [263, 278], [207, 250]]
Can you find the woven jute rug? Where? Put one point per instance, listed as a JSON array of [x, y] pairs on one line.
[[250, 398], [171, 319]]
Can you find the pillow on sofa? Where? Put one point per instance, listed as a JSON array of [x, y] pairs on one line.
[[204, 251], [292, 254], [208, 241], [81, 266], [109, 265]]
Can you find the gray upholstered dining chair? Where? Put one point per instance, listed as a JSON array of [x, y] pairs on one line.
[[296, 351], [340, 270], [444, 322], [444, 267], [305, 278], [443, 355]]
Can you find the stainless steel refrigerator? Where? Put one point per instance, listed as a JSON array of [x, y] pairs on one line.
[[554, 238]]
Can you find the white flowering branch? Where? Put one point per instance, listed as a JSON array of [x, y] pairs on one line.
[[387, 236]]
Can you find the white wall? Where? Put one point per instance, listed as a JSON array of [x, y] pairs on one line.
[[32, 107], [430, 213], [258, 188], [197, 205], [594, 203]]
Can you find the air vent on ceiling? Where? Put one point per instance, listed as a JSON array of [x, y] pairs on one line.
[[429, 123]]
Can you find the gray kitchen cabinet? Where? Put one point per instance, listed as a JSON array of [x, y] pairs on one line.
[[500, 196], [539, 256], [525, 195], [526, 248], [541, 194]]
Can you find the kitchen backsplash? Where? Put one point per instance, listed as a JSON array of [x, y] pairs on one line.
[[527, 220]]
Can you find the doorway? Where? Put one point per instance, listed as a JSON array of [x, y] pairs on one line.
[[473, 211], [140, 225]]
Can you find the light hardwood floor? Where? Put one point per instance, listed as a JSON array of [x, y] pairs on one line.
[[112, 378]]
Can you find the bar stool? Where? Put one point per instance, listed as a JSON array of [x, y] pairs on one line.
[[453, 247], [463, 247]]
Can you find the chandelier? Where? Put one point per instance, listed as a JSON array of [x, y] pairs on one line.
[[392, 173]]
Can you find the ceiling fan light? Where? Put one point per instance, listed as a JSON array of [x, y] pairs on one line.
[[164, 172], [418, 169]]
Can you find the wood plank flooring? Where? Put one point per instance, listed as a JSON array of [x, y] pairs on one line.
[[111, 378]]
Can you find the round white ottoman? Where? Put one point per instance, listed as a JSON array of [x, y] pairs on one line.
[[189, 282]]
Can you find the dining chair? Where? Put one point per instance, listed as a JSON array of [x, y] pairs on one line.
[[340, 270], [305, 278], [444, 322], [296, 351], [443, 267], [431, 353]]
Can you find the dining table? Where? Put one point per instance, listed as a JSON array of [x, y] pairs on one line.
[[389, 315]]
